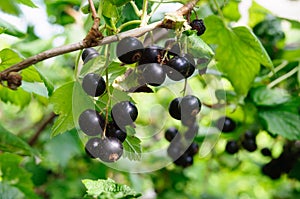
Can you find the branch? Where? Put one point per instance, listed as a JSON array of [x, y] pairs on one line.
[[40, 129], [93, 38]]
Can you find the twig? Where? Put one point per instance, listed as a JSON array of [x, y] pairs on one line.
[[93, 38], [283, 77], [40, 129], [93, 10]]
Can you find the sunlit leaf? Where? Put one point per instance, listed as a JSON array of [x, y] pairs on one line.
[[132, 148], [239, 53], [109, 189]]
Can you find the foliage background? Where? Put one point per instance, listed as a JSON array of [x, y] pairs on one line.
[[54, 167]]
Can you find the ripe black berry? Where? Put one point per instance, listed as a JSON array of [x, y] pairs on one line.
[[172, 47], [181, 65], [93, 84], [226, 124], [175, 149], [232, 147], [90, 122], [174, 108], [88, 54], [193, 149], [198, 25], [92, 147], [151, 54], [266, 152], [272, 169], [153, 74], [124, 113], [185, 160], [249, 144], [129, 50], [192, 63], [111, 149], [190, 106], [171, 133], [112, 130]]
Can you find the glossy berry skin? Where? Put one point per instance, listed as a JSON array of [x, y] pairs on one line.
[[232, 147], [226, 124], [112, 130], [198, 25], [185, 160], [193, 149], [190, 106], [111, 149], [88, 54], [174, 108], [91, 123], [172, 47], [129, 50], [266, 152], [192, 64], [93, 84], [153, 74], [180, 65], [151, 54], [92, 147], [124, 113], [171, 133], [249, 144]]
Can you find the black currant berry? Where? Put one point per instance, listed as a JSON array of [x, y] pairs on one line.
[[232, 147], [185, 160], [93, 84], [249, 144], [192, 63], [179, 65], [249, 135], [172, 47], [226, 124], [129, 50], [171, 133], [153, 74], [151, 54], [111, 149], [93, 148], [88, 54], [124, 113], [112, 130], [174, 108], [198, 25], [266, 152], [91, 123], [193, 149], [190, 106], [272, 169]]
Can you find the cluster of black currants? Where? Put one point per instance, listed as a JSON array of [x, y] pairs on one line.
[[198, 25], [181, 150], [246, 141], [155, 63], [106, 136], [282, 164]]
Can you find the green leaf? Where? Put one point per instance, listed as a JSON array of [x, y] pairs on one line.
[[263, 96], [132, 148], [283, 119], [257, 13], [49, 85], [119, 3], [2, 29], [10, 29], [109, 189], [28, 3], [198, 48], [16, 176], [17, 97], [12, 143], [95, 65], [69, 101], [62, 105], [239, 53], [231, 10], [9, 7]]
